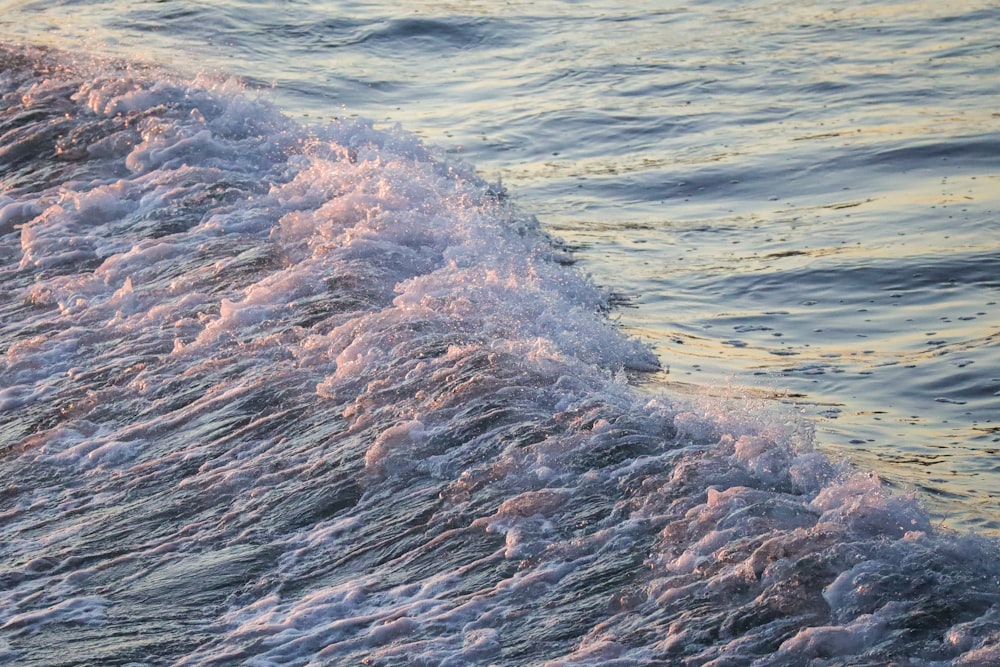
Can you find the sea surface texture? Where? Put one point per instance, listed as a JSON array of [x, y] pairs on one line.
[[658, 335]]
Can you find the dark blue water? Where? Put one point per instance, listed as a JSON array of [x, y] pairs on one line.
[[281, 387]]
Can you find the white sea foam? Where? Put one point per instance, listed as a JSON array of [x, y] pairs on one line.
[[325, 396]]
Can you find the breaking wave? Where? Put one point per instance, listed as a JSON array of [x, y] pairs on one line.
[[275, 394]]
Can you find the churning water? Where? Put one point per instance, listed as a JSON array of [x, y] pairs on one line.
[[281, 386]]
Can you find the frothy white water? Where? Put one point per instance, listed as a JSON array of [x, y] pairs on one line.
[[286, 395]]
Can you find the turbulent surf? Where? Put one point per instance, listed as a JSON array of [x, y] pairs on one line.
[[277, 394]]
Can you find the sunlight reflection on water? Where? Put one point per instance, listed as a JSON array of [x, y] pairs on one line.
[[794, 199]]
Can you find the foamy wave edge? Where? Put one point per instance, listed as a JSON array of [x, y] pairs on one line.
[[330, 396]]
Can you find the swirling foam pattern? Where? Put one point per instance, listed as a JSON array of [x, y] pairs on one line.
[[306, 396]]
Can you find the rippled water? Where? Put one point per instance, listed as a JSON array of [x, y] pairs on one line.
[[792, 201], [282, 388]]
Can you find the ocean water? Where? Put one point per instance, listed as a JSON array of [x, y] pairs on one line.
[[515, 333]]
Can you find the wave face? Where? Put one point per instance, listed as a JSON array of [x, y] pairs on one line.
[[305, 396]]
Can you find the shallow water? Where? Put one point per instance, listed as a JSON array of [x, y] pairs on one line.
[[276, 392]]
